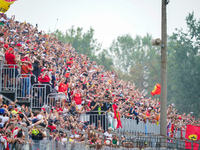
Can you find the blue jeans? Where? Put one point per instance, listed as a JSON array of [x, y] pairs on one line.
[[26, 86]]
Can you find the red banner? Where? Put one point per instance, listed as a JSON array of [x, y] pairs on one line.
[[192, 133], [157, 90]]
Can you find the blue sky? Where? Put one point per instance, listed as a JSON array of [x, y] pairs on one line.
[[109, 18]]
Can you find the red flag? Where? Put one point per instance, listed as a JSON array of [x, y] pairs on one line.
[[192, 133], [157, 90], [117, 116]]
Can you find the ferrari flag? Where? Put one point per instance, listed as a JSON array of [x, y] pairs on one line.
[[192, 133], [5, 5], [157, 90], [117, 116]]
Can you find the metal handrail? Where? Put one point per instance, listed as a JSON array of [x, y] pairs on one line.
[[10, 100]]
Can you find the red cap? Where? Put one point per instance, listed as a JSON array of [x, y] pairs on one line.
[[115, 100], [50, 70], [6, 45], [71, 58], [43, 109], [67, 75], [18, 44], [10, 49], [43, 69], [28, 41]]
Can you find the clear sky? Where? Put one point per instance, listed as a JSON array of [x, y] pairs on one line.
[[109, 18]]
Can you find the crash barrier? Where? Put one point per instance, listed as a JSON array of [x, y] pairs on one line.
[[133, 125], [8, 77], [52, 98], [23, 86], [39, 94], [125, 142]]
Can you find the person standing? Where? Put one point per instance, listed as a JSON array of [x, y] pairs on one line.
[[11, 61], [25, 69]]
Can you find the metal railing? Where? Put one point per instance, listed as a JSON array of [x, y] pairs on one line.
[[124, 141], [23, 87], [8, 100], [8, 77], [132, 126], [52, 98], [39, 94]]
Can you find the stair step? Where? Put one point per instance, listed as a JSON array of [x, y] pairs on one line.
[[26, 103]]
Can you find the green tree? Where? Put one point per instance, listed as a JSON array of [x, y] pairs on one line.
[[85, 43], [130, 55], [184, 67]]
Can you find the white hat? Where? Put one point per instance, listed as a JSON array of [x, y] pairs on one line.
[[149, 108]]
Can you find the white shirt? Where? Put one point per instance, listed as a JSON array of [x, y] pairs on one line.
[[108, 135], [4, 119]]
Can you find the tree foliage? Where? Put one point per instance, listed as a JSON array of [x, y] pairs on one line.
[[84, 43], [130, 55], [184, 67]]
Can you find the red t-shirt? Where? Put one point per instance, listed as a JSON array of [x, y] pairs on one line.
[[10, 59], [52, 127], [77, 99], [45, 79], [147, 113], [59, 110], [29, 65], [63, 87]]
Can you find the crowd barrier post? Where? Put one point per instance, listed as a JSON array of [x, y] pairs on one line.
[[39, 94], [8, 77], [23, 86], [52, 98]]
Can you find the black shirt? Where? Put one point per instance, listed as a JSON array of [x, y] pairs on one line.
[[37, 137], [95, 110]]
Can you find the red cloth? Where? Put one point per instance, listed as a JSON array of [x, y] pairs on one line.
[[10, 59], [59, 110], [157, 90], [63, 87], [77, 99], [45, 79], [147, 114], [192, 133], [114, 108], [67, 75], [117, 116], [52, 127]]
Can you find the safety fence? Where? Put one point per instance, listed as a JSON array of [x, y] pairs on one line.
[[8, 77], [52, 98], [23, 86], [123, 142], [39, 95], [131, 125]]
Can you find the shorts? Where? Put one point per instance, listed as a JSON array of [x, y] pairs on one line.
[[13, 72]]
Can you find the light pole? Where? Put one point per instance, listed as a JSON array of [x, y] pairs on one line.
[[163, 43], [163, 117]]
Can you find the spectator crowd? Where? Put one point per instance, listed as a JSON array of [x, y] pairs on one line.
[[88, 89]]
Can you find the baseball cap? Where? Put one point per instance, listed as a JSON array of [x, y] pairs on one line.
[[2, 111]]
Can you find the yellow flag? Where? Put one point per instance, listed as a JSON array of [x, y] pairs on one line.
[[5, 5]]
